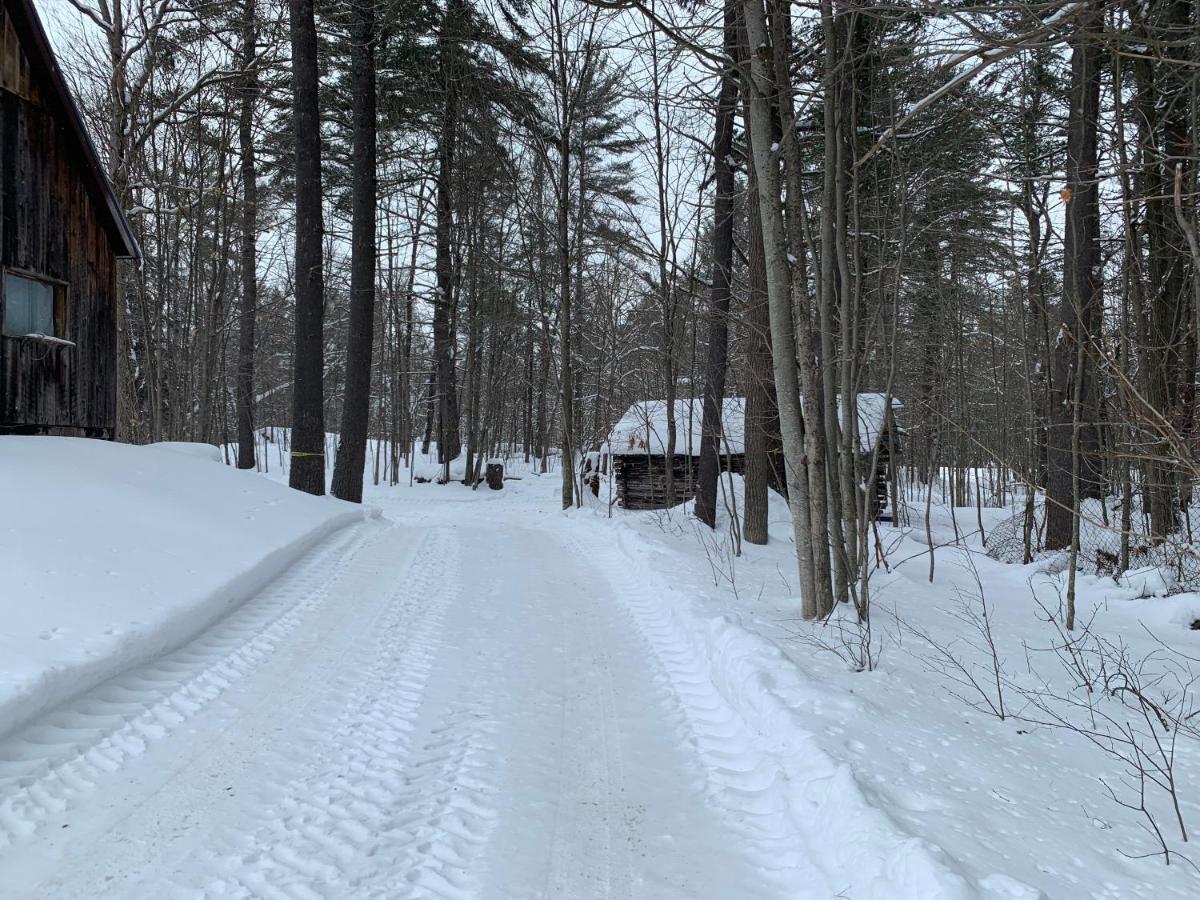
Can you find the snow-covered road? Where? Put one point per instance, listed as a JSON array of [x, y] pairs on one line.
[[444, 708]]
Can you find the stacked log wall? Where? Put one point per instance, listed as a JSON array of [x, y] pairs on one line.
[[642, 484]]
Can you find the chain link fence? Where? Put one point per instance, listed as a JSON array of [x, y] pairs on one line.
[[1102, 550]]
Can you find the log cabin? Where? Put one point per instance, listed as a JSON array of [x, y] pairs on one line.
[[638, 442], [62, 235], [637, 447]]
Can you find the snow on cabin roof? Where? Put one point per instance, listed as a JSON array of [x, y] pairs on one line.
[[872, 409], [643, 428]]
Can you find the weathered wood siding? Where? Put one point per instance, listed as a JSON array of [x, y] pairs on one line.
[[49, 226], [642, 480], [884, 474], [16, 75]]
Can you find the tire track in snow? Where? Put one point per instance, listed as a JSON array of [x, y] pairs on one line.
[[743, 783], [812, 825], [600, 795], [386, 806], [46, 766], [593, 769], [449, 819]]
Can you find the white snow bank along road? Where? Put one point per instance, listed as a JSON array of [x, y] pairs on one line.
[[112, 555], [745, 708]]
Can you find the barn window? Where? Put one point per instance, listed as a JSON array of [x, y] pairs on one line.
[[31, 306]]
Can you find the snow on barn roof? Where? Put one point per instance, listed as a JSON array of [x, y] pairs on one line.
[[643, 428]]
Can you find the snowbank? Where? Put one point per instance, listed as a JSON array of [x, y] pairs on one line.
[[112, 554], [769, 771]]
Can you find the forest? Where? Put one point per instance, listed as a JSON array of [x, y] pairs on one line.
[[484, 228], [570, 449]]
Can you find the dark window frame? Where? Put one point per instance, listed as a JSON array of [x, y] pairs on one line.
[[57, 285]]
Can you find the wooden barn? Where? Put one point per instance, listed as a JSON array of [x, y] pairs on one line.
[[637, 446], [62, 232]]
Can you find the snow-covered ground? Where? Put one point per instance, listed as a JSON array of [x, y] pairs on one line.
[[112, 555], [1019, 807], [479, 695]]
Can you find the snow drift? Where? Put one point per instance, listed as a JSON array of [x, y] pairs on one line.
[[111, 555]]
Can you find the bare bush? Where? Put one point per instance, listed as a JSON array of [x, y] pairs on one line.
[[978, 685], [1132, 707]]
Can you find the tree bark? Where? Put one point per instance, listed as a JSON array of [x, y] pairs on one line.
[[356, 411], [829, 291], [449, 439], [809, 350], [1080, 312], [762, 411], [1168, 341], [783, 337], [565, 368], [308, 362], [249, 240], [125, 429], [722, 265]]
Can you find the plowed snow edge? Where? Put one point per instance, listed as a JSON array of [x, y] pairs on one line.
[[62, 684], [794, 801]]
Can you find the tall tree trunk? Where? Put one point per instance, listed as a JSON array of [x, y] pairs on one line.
[[211, 264], [356, 405], [449, 440], [722, 265], [118, 172], [783, 337], [1169, 341], [809, 350], [308, 362], [249, 240], [762, 412], [1080, 316], [565, 368], [407, 434], [829, 290], [474, 349], [845, 124]]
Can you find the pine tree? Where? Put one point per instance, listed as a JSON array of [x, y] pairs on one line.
[[308, 362]]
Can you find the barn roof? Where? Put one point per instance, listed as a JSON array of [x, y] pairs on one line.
[[643, 428], [36, 47]]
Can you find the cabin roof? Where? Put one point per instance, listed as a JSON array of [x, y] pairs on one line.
[[36, 47], [643, 428]]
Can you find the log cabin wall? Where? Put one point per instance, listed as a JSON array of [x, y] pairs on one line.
[[642, 481], [640, 476], [49, 227]]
